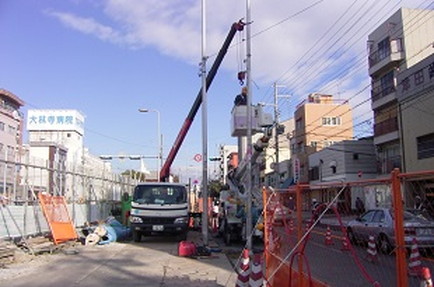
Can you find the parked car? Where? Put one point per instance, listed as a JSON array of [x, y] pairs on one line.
[[379, 223]]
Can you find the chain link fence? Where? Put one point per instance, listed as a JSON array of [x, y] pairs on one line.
[[92, 193]]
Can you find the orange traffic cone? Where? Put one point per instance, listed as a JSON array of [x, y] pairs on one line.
[[426, 278], [414, 263], [328, 237], [244, 270], [256, 278], [345, 244], [372, 249]]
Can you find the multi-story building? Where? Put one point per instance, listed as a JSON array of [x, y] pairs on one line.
[[348, 160], [56, 138], [320, 121], [415, 95], [396, 45], [11, 131]]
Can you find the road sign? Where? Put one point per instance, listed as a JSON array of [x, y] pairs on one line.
[[198, 157]]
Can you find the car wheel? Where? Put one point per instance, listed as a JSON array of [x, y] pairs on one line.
[[384, 244], [137, 236], [351, 236]]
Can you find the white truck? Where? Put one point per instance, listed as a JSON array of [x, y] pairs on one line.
[[159, 208]]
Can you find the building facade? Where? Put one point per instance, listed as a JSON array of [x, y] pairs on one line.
[[11, 138], [347, 161], [396, 45], [415, 95], [320, 121]]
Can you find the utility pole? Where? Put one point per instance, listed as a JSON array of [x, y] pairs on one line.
[[277, 132], [249, 150], [204, 131], [276, 137]]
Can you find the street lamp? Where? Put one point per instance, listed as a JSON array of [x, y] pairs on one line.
[[160, 140]]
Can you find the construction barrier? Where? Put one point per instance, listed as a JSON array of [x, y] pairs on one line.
[[293, 256], [58, 219]]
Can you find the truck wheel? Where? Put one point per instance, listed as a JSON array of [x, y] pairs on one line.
[[137, 236], [227, 235], [182, 236]]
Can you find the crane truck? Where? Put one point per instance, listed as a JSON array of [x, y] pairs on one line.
[[162, 207]]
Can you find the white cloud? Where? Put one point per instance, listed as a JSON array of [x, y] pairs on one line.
[[296, 46], [89, 26]]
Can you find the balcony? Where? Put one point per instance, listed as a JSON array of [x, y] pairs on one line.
[[381, 96], [383, 59], [388, 165], [385, 127]]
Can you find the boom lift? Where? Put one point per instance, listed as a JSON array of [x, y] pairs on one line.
[[165, 170]]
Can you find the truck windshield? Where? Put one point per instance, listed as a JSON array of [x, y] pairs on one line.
[[160, 194]]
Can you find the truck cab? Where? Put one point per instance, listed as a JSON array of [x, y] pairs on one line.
[[159, 208]]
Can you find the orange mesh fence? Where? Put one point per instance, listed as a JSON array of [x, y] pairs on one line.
[[57, 216], [350, 233]]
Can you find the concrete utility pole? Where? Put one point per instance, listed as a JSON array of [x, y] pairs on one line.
[[204, 131], [276, 131], [249, 149]]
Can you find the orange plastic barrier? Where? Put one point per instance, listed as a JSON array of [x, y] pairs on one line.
[[57, 216]]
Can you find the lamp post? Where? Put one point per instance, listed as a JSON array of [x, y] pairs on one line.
[[159, 136]]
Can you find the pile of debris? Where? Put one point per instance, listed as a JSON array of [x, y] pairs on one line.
[[109, 230], [7, 253]]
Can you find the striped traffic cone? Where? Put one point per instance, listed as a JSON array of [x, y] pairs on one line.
[[414, 263], [328, 237], [372, 249], [256, 278], [426, 278], [244, 270], [345, 244]]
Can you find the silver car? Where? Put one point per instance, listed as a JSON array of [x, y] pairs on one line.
[[379, 223]]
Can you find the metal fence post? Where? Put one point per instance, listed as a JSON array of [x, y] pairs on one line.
[[398, 206]]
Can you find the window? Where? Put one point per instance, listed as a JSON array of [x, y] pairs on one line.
[[383, 48], [2, 126], [298, 124], [12, 130], [379, 216], [313, 143], [331, 121], [387, 84], [425, 146], [355, 156], [418, 77]]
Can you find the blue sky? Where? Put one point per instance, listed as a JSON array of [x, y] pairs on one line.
[[108, 58]]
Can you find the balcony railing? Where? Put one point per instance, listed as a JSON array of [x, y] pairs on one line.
[[387, 165], [378, 55], [386, 126], [379, 92]]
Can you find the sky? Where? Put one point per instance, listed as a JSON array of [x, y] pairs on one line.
[[108, 58]]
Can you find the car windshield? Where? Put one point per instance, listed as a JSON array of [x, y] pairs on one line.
[[160, 194]]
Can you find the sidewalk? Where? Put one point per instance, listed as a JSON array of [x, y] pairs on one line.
[[153, 263]]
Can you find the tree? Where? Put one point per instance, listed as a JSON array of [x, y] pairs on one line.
[[214, 187]]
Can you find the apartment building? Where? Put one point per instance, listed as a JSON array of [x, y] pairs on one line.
[[320, 121], [11, 137], [415, 95], [398, 44]]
